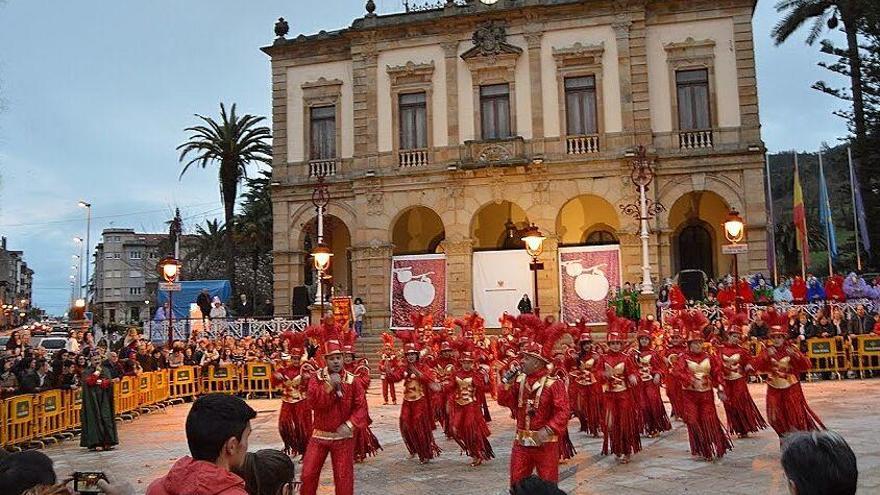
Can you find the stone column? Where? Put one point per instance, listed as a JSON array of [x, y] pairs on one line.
[[534, 44], [366, 140], [629, 30], [548, 278], [459, 276], [450, 50], [371, 273]]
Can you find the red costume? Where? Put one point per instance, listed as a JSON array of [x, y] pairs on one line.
[[338, 410], [726, 296], [834, 288], [365, 442], [676, 298], [699, 372], [585, 384], [388, 361], [620, 380], [670, 355], [295, 418], [443, 367], [787, 409], [416, 415], [745, 292], [467, 424], [650, 363], [799, 290], [743, 416]]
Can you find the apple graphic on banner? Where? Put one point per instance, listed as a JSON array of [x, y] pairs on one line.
[[591, 284], [418, 290]]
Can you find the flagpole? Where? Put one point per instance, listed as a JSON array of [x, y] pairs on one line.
[[827, 220], [803, 244], [852, 187], [772, 217]]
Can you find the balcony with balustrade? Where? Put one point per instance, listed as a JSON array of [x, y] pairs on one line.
[[696, 139], [582, 145], [413, 158], [324, 167]]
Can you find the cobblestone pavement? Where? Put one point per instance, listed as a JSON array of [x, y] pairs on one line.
[[150, 444]]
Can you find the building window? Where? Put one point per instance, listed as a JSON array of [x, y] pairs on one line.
[[413, 121], [117, 256], [117, 292], [134, 255], [135, 274], [108, 256], [135, 291], [495, 111], [134, 313], [580, 105], [323, 133], [601, 238], [693, 99]]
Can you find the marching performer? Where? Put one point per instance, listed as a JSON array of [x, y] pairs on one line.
[[699, 373], [467, 425], [650, 363], [365, 442], [388, 361], [416, 416], [673, 350], [787, 409], [620, 380], [442, 367], [340, 406], [540, 406], [585, 384], [743, 416], [295, 418]]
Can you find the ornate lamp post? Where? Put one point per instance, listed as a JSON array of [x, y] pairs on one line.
[[321, 253], [321, 257], [88, 207], [642, 175], [169, 269], [534, 240], [734, 230]]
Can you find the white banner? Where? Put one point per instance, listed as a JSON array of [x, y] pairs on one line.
[[587, 275], [500, 280]]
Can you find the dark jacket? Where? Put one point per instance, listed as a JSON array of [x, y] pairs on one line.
[[31, 383], [759, 330], [860, 325], [524, 306], [204, 303]]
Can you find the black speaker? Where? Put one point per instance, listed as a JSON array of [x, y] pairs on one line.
[[300, 301], [692, 283]]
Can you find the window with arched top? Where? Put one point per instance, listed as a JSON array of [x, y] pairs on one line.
[[601, 237]]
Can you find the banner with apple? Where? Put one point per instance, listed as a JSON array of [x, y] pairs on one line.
[[588, 276], [418, 283]]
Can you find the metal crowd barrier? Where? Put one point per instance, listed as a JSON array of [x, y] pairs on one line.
[[865, 354], [827, 355], [34, 419]]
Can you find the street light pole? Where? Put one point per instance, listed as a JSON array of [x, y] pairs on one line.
[[642, 175], [88, 207], [534, 240], [734, 231], [79, 240]]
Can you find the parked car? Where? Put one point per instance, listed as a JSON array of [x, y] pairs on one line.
[[50, 343]]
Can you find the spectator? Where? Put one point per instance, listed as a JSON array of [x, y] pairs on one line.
[[145, 359], [8, 380], [217, 432], [534, 485], [87, 344], [525, 305], [66, 378], [759, 328], [819, 463], [211, 357], [823, 329], [268, 308], [188, 357], [838, 324], [22, 471], [35, 379], [226, 359], [15, 345], [203, 301], [268, 472], [160, 363], [360, 311], [218, 312], [175, 359], [117, 370], [244, 308], [799, 327], [860, 323], [72, 344]]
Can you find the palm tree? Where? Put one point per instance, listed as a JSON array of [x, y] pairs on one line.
[[254, 225], [233, 143], [824, 13], [204, 253]]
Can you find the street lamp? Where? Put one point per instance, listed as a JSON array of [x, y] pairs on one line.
[[81, 258], [642, 175], [88, 207], [534, 240], [169, 269], [734, 231], [321, 255]]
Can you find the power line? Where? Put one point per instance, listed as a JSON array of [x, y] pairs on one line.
[[116, 215]]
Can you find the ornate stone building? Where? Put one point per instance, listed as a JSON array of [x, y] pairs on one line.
[[446, 130]]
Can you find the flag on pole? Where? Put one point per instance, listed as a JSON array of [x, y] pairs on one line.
[[800, 217], [860, 213], [825, 212]]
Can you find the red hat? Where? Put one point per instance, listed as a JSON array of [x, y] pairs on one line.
[[465, 348], [618, 328], [645, 328], [444, 346], [409, 339], [776, 321], [692, 324], [388, 340], [543, 335], [332, 347], [410, 347], [295, 341]]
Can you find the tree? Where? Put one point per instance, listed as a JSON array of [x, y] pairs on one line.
[[254, 230], [205, 259], [233, 143], [824, 13]]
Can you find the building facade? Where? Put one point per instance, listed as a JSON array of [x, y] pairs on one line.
[[450, 129], [16, 285]]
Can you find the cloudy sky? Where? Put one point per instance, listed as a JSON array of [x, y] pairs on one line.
[[95, 95]]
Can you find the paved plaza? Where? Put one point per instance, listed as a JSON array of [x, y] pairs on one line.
[[150, 444]]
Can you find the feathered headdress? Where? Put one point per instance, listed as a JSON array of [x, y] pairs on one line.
[[347, 339], [618, 328], [465, 348], [419, 320], [736, 321], [295, 341], [387, 340], [580, 331], [326, 331], [409, 339], [507, 321], [542, 334], [776, 321], [646, 326], [692, 323]]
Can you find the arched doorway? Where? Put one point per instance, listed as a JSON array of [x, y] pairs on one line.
[[338, 238], [695, 249], [587, 220], [497, 226], [418, 230]]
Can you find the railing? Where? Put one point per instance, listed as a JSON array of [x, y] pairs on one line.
[[715, 312], [582, 145], [324, 168], [691, 140], [184, 328], [413, 158]]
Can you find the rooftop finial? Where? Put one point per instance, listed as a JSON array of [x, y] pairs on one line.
[[281, 28], [371, 8]]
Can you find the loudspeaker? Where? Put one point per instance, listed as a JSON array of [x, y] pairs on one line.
[[300, 301], [692, 283]]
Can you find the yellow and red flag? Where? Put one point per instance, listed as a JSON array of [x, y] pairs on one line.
[[800, 218]]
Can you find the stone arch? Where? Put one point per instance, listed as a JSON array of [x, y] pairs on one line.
[[306, 212], [338, 236], [417, 229], [582, 215], [495, 225], [674, 189], [692, 211]]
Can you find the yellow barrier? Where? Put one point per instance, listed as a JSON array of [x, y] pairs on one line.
[[125, 399], [258, 379], [222, 379], [866, 353], [18, 420], [145, 390], [49, 413], [71, 404], [184, 382], [160, 386], [826, 355]]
